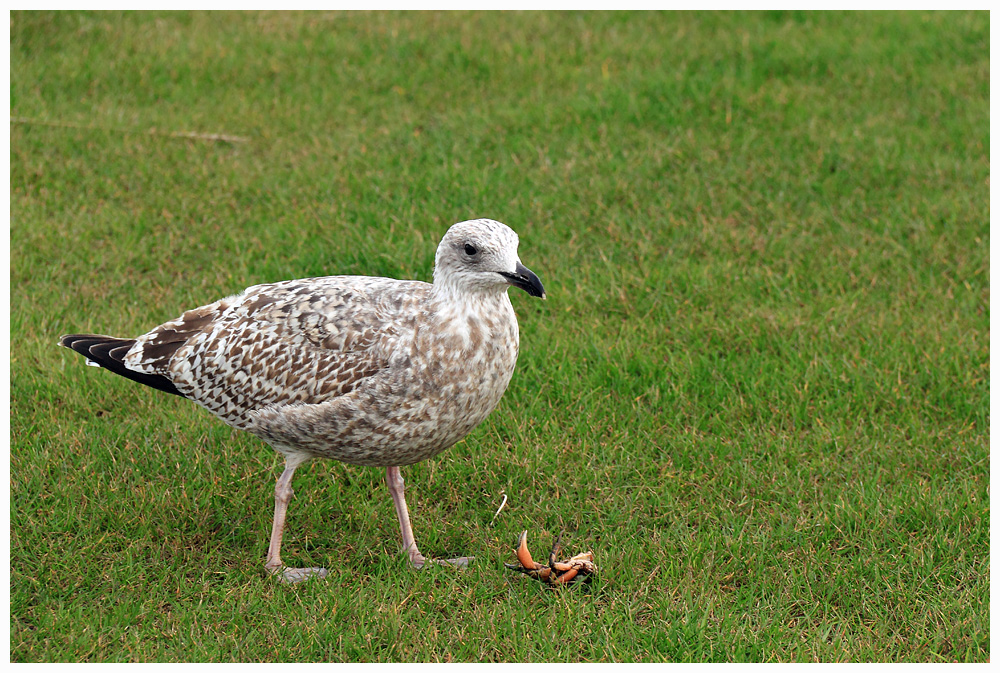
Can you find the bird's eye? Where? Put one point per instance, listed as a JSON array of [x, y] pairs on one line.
[[470, 249]]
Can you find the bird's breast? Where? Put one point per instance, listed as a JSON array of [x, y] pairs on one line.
[[455, 374]]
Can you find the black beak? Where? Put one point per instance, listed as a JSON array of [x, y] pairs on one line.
[[526, 280]]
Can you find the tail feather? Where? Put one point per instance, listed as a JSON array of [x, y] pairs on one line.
[[109, 353]]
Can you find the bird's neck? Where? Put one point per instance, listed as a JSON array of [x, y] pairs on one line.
[[473, 316], [445, 292]]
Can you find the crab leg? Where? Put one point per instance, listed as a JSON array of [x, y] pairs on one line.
[[566, 577], [554, 551]]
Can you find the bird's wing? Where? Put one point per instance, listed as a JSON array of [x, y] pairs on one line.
[[304, 341]]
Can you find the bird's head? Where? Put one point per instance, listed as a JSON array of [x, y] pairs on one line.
[[481, 255]]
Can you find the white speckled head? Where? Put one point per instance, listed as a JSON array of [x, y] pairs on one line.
[[481, 256]]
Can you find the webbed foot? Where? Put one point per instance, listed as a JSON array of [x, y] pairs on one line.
[[298, 575]]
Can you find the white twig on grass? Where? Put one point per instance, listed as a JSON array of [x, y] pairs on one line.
[[504, 502], [211, 137]]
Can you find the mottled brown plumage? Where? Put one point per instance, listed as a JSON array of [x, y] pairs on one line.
[[369, 371]]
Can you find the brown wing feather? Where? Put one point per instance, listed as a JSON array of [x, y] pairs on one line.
[[298, 342]]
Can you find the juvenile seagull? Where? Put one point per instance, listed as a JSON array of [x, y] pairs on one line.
[[369, 371]]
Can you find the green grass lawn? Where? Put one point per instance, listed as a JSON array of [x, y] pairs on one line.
[[758, 391]]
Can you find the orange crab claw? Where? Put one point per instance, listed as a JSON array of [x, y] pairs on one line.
[[523, 555]]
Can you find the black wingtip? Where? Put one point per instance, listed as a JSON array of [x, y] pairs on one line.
[[109, 352]]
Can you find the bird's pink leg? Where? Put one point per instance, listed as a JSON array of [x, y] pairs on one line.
[[282, 496], [394, 480]]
